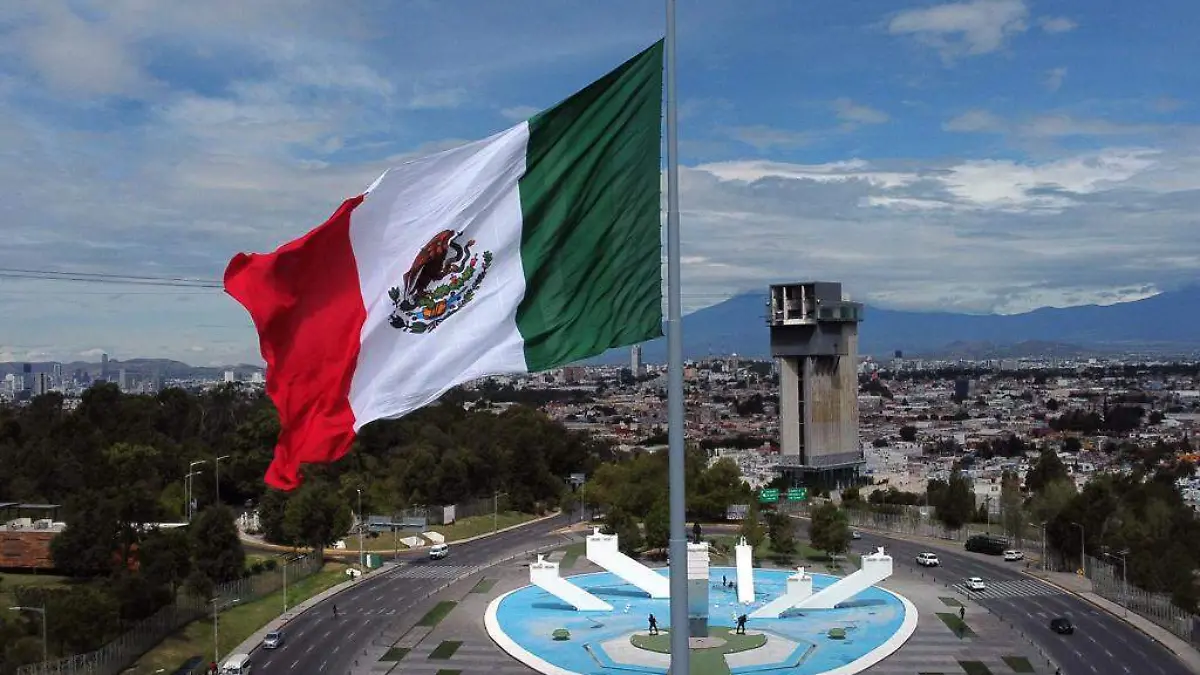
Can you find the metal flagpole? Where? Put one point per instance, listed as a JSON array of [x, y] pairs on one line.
[[675, 421]]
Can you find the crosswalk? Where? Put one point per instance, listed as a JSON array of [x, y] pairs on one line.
[[1008, 589], [431, 571]]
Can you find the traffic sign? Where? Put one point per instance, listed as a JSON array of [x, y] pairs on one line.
[[768, 495], [797, 494]]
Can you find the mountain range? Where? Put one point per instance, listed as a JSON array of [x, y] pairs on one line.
[[1165, 323]]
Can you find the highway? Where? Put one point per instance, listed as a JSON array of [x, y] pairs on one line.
[[1102, 644], [316, 643]]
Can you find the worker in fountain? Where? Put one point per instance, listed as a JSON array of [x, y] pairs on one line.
[[741, 625]]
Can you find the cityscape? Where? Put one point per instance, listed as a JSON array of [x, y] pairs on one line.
[[622, 338]]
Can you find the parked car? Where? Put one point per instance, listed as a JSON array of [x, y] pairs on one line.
[[976, 584], [1062, 625], [928, 559], [1013, 555], [273, 640], [855, 534]]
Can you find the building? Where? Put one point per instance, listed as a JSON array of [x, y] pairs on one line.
[[814, 339], [635, 361], [41, 384]]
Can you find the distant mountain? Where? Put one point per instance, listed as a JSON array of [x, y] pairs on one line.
[[1167, 322], [166, 368]]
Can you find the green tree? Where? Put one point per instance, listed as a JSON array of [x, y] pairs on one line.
[[957, 504], [216, 549], [782, 531], [751, 527], [622, 524], [1012, 510], [316, 516], [908, 434], [658, 525], [1046, 470], [829, 530], [166, 558]]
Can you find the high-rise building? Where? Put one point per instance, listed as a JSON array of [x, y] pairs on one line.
[[814, 339], [123, 380], [230, 376], [41, 384], [104, 366], [635, 361], [56, 373]]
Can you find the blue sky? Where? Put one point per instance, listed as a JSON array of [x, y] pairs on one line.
[[984, 156]]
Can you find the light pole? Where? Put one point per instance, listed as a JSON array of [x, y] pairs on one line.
[[1124, 582], [191, 493], [1082, 548], [496, 510], [361, 522], [40, 610], [1042, 525], [216, 648], [187, 499], [217, 476]]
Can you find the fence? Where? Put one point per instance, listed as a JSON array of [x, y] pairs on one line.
[[912, 523], [115, 656], [1108, 583]]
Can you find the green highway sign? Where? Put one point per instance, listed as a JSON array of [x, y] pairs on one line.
[[768, 495], [797, 494]]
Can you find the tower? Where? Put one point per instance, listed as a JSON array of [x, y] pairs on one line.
[[814, 339], [635, 360]]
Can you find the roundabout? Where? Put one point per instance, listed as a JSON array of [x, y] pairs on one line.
[[550, 635]]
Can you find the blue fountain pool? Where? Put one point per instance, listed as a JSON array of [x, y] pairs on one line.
[[872, 619]]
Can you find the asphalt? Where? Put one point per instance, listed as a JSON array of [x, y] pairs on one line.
[[316, 643], [1102, 644]]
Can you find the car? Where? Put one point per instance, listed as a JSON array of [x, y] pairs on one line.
[[855, 534], [1013, 555], [928, 559], [982, 543], [1062, 625], [439, 551], [976, 584], [273, 640]]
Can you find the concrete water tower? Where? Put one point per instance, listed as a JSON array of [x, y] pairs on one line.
[[814, 338]]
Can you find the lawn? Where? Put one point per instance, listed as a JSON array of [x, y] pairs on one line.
[[445, 650], [703, 661], [463, 528], [235, 624], [9, 581], [1019, 664], [572, 554], [484, 585], [956, 625], [395, 654], [975, 668], [440, 611]]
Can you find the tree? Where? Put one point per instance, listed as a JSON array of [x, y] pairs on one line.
[[629, 536], [1046, 470], [957, 504], [829, 530], [908, 434], [751, 527], [216, 548], [166, 557], [658, 525], [781, 530], [316, 516], [1012, 512]]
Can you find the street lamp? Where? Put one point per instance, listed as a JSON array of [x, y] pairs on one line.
[[361, 522], [190, 493], [496, 510], [216, 648], [40, 610], [187, 499], [1124, 582], [1082, 548], [1042, 525], [217, 476]]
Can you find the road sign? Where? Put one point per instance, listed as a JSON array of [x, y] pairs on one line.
[[797, 494], [768, 495]]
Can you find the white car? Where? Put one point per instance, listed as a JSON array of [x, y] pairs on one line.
[[976, 584], [1014, 555], [928, 559], [439, 551], [855, 534]]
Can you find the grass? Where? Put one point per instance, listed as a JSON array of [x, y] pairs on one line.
[[1019, 664], [9, 581], [447, 671], [434, 616], [395, 654], [464, 528], [704, 661], [950, 602], [572, 554], [484, 586], [975, 668], [445, 650], [236, 624], [956, 625]]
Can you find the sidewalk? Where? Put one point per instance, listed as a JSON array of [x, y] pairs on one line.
[[1078, 586]]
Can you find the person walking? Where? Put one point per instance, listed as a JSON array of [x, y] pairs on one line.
[[741, 625], [653, 625]]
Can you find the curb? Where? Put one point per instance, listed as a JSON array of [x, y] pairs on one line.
[[336, 553]]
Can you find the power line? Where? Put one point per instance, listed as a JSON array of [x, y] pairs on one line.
[[107, 278]]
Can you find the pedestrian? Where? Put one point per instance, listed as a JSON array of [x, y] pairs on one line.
[[962, 613], [723, 584], [653, 625], [741, 625]]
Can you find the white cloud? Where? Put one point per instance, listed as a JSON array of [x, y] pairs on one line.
[[965, 28], [765, 138], [1057, 24], [1054, 78], [852, 113], [1047, 126], [975, 120], [519, 113]]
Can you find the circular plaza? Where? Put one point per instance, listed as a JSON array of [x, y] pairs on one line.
[[548, 634]]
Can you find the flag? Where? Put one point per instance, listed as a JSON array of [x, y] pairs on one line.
[[525, 251]]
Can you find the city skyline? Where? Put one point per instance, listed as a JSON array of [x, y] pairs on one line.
[[994, 155]]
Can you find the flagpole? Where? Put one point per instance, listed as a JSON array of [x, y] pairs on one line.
[[680, 631]]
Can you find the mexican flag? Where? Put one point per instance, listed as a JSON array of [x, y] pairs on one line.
[[525, 251]]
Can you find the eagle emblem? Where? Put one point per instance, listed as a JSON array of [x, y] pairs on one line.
[[441, 280]]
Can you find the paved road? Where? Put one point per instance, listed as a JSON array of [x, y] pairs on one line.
[[316, 643], [1102, 644]]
